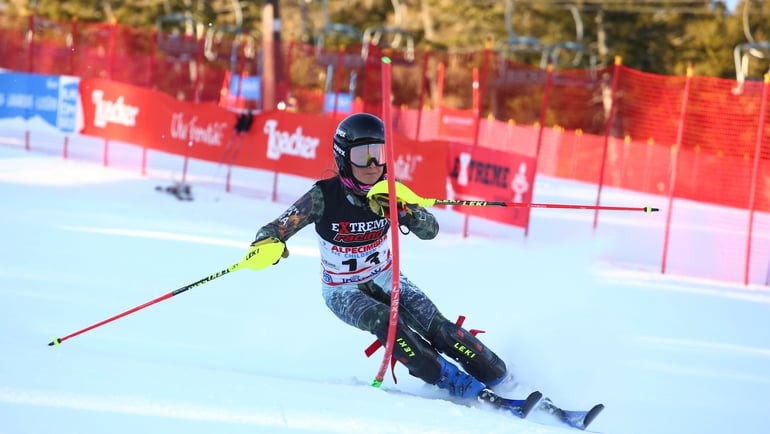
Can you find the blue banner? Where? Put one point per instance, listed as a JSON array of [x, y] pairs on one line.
[[344, 102], [54, 99], [250, 87]]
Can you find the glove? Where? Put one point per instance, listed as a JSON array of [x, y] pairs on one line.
[[265, 252], [380, 205]]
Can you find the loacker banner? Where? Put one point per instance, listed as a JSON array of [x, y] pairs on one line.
[[284, 142], [153, 119], [300, 144]]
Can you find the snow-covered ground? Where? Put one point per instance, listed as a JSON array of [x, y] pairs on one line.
[[581, 315]]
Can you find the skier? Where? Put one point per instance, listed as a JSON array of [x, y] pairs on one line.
[[356, 263]]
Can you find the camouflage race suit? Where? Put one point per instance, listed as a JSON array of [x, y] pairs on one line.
[[356, 265]]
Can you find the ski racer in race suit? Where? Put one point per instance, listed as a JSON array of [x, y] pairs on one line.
[[356, 265]]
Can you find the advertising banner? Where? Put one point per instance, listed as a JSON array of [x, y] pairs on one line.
[[478, 173], [155, 120], [52, 98], [280, 141], [456, 124], [301, 144]]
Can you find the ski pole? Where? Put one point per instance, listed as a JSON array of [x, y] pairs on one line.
[[410, 197], [270, 252]]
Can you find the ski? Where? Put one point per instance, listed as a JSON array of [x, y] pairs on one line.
[[579, 419], [519, 407]]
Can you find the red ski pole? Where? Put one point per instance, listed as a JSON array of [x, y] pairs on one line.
[[260, 255]]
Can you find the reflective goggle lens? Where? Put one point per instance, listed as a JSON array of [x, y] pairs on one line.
[[363, 155]]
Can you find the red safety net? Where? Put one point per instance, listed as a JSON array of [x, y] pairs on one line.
[[687, 137]]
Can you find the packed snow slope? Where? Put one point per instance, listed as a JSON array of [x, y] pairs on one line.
[[259, 352]]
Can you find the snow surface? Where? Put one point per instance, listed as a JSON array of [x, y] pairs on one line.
[[258, 352]]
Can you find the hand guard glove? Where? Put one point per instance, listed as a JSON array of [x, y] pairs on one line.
[[265, 252], [380, 205]]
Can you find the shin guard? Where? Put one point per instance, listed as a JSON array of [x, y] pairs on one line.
[[412, 351], [470, 352]]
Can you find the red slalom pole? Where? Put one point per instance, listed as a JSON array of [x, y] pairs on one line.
[[395, 291]]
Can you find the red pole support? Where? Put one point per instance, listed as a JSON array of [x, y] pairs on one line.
[[144, 159], [151, 65], [440, 86], [479, 85], [607, 133], [106, 153], [674, 164], [755, 175], [421, 99], [74, 47], [111, 50], [338, 78], [31, 42], [541, 129]]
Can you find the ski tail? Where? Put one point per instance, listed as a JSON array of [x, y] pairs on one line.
[[519, 407], [575, 418], [591, 415]]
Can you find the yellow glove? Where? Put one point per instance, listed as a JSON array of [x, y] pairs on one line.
[[380, 205], [264, 253]]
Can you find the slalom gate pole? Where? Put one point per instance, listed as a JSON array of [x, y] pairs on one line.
[[395, 292], [206, 279]]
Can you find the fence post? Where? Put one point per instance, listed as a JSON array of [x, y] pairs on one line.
[[607, 134], [674, 163], [754, 175], [541, 127], [479, 84], [421, 97]]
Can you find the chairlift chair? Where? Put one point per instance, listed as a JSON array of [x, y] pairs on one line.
[[216, 36], [177, 36], [553, 52], [390, 37], [515, 45], [336, 35], [742, 54]]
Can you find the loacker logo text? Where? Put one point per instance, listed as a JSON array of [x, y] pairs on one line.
[[112, 112], [283, 142]]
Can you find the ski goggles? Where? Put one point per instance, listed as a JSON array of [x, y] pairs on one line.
[[363, 155]]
